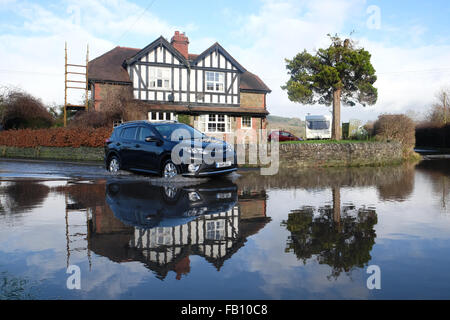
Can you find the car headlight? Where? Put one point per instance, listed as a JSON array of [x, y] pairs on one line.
[[229, 148]]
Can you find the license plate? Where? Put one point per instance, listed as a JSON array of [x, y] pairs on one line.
[[223, 164], [223, 195]]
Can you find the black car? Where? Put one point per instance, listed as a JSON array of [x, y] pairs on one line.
[[145, 206], [145, 146]]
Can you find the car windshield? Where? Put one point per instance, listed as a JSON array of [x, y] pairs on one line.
[[175, 131], [318, 124]]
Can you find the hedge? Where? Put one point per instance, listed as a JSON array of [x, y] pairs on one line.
[[55, 137]]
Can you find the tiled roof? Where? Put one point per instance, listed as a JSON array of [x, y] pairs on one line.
[[108, 67], [252, 82], [192, 56]]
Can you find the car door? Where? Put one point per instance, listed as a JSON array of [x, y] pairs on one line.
[[149, 152], [127, 150], [284, 136]]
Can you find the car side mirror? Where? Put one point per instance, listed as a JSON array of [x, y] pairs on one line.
[[151, 139]]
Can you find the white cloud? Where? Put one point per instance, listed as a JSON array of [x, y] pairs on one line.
[[282, 29], [33, 55]]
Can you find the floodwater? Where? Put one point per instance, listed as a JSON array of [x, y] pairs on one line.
[[71, 231]]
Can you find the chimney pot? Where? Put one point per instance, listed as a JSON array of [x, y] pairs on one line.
[[181, 43]]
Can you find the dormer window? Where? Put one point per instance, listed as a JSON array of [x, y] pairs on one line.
[[215, 81]]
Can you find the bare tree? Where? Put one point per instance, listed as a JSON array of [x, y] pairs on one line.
[[440, 110]]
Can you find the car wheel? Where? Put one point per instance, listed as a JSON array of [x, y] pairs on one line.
[[169, 169], [114, 164]]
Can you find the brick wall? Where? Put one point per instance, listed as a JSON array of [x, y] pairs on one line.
[[253, 100]]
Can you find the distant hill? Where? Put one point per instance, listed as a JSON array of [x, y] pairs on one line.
[[294, 125]]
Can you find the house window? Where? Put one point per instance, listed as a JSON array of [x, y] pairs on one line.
[[215, 230], [155, 116], [246, 122], [159, 78], [214, 123], [215, 81], [161, 236]]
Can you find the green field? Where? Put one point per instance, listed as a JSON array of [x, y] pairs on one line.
[[293, 125]]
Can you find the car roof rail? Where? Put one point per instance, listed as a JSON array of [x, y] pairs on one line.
[[145, 121]]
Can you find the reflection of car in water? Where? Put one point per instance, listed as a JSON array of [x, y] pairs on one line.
[[163, 226], [144, 205]]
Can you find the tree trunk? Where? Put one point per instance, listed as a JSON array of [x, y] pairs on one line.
[[337, 207], [336, 127]]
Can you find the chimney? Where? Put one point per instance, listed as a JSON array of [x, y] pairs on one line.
[[180, 42]]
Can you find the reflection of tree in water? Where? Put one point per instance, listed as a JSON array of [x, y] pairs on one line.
[[341, 239], [439, 172], [21, 196]]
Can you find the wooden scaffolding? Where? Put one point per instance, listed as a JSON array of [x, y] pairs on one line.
[[75, 84]]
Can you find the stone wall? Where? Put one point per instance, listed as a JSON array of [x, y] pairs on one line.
[[339, 154], [291, 155]]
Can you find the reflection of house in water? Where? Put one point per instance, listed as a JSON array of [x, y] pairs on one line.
[[162, 227], [215, 237]]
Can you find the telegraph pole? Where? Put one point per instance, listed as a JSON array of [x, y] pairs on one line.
[[445, 108]]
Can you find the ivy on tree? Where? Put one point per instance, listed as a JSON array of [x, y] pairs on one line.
[[341, 72]]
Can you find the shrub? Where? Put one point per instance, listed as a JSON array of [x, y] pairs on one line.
[[184, 118], [117, 105], [396, 127], [21, 110], [55, 137]]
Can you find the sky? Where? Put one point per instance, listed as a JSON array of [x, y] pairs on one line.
[[408, 41]]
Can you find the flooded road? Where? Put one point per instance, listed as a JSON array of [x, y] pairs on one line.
[[309, 234]]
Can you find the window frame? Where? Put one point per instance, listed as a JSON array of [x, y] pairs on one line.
[[242, 122], [204, 121], [153, 78], [221, 81], [172, 115]]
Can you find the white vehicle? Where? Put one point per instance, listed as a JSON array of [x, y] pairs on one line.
[[318, 127]]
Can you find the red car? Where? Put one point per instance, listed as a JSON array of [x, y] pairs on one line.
[[283, 136]]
